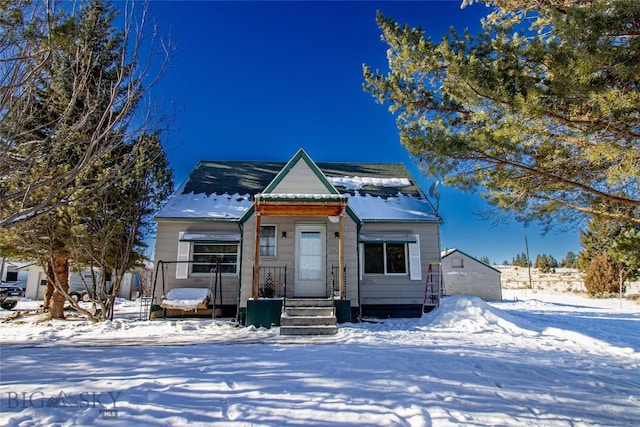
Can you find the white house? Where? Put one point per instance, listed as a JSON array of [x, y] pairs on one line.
[[463, 274], [37, 283], [361, 234]]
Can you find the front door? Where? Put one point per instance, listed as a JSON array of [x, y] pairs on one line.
[[310, 261]]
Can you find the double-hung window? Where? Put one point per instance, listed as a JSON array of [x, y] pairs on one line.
[[390, 254], [385, 258], [268, 240], [206, 257], [200, 252]]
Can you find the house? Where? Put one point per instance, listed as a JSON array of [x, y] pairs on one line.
[[259, 234], [12, 272], [463, 274], [36, 283]]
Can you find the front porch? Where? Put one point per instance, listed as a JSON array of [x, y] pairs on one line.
[[315, 273], [276, 300]]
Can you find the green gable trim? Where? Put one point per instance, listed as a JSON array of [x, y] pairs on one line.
[[353, 215], [300, 155], [248, 214]]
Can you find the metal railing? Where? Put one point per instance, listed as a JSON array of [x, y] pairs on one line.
[[335, 271], [272, 282]]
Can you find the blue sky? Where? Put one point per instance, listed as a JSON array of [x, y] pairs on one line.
[[258, 80]]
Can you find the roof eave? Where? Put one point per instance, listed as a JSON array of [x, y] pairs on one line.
[[401, 221], [195, 219]]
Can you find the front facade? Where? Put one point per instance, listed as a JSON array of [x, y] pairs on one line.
[[463, 274], [360, 233]]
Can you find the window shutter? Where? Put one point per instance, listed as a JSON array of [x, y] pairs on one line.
[[182, 268], [361, 261], [415, 269]]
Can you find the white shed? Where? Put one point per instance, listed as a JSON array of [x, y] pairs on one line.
[[463, 274]]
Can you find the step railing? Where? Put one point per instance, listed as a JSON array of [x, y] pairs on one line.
[[335, 272], [272, 282]]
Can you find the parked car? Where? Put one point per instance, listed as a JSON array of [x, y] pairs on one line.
[[10, 294]]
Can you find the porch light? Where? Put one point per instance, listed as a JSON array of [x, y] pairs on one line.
[[336, 235], [284, 234]]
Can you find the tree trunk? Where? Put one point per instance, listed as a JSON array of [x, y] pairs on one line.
[[48, 292], [61, 270]]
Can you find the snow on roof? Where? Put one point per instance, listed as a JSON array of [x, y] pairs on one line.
[[213, 206], [356, 182], [367, 207], [402, 206], [399, 208]]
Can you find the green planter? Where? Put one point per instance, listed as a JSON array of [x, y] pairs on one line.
[[343, 310], [263, 313]]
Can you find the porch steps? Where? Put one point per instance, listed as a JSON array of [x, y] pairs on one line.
[[308, 316]]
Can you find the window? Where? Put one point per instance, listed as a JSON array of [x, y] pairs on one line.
[[385, 258], [207, 255], [268, 240], [12, 276], [457, 263]]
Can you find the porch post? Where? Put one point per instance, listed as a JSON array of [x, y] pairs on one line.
[[256, 257], [341, 255]]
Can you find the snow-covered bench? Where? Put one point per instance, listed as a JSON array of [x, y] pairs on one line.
[[187, 299]]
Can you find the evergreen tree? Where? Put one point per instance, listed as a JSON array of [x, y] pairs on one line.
[[69, 85], [570, 260], [521, 260], [81, 128], [114, 223], [546, 263], [542, 107]]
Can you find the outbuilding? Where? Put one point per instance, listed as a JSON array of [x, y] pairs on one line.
[[463, 274]]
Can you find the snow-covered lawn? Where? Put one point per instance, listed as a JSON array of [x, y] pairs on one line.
[[542, 359]]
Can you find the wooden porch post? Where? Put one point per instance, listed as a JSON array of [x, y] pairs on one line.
[[341, 255], [256, 258]]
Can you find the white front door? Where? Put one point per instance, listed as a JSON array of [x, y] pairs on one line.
[[310, 261]]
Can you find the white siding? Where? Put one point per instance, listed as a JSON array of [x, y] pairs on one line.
[[167, 250], [301, 180], [391, 290], [473, 278]]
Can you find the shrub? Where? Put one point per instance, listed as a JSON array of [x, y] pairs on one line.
[[602, 277]]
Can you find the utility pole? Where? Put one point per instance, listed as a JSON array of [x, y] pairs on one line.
[[526, 246]]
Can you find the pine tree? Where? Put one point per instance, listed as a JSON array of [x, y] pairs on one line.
[[70, 83], [542, 107], [80, 127], [570, 260]]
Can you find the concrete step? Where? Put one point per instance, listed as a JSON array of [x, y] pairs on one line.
[[307, 320], [309, 311], [309, 302], [309, 330]]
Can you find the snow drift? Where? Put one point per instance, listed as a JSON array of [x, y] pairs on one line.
[[472, 314]]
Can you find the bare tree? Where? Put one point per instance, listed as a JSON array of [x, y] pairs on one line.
[[72, 127], [41, 44]]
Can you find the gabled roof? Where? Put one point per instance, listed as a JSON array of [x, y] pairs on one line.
[[225, 190], [448, 252], [300, 156]]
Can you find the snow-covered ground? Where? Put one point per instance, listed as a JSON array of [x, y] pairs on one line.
[[537, 359]]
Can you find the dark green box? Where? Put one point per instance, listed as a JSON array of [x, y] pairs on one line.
[[263, 313]]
